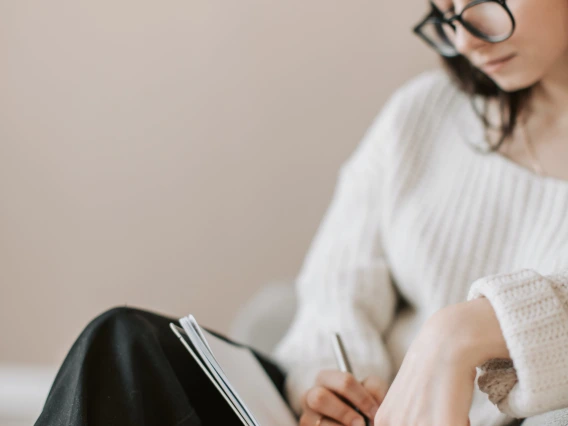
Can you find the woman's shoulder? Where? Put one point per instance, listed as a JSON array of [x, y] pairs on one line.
[[421, 104], [426, 91], [427, 80], [412, 112], [415, 112]]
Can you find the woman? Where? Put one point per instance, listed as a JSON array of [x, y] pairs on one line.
[[445, 249]]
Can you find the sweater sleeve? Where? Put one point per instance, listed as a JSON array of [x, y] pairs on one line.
[[532, 310], [344, 284]]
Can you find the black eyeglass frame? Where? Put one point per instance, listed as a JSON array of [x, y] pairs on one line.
[[437, 16]]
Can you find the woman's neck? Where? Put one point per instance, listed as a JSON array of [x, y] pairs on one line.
[[549, 99]]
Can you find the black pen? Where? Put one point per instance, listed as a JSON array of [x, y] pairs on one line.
[[343, 364]]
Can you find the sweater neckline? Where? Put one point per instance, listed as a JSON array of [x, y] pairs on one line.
[[522, 170], [502, 159]]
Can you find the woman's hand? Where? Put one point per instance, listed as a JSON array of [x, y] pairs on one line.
[[326, 400], [435, 384]]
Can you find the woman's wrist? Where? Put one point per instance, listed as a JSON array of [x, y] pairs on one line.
[[471, 332]]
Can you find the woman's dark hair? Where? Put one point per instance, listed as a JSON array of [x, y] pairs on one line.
[[473, 82]]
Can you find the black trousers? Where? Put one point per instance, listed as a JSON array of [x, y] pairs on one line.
[[127, 368]]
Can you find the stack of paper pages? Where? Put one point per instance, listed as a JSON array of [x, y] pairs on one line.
[[237, 375]]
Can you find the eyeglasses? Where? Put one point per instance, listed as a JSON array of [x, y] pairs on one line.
[[489, 20]]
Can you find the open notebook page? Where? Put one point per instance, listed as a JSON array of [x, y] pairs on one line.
[[231, 399], [249, 380]]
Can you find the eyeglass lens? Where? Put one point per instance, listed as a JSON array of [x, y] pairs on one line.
[[490, 20]]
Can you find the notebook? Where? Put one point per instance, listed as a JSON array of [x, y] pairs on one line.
[[237, 375]]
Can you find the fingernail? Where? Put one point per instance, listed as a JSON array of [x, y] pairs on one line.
[[358, 422]]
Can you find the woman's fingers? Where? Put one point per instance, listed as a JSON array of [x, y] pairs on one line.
[[310, 418], [346, 386], [327, 403], [377, 387]]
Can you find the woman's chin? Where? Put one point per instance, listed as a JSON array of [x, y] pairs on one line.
[[512, 82]]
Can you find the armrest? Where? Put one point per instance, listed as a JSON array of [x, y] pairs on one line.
[[263, 320]]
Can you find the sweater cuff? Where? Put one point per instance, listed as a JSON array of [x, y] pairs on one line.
[[535, 328]]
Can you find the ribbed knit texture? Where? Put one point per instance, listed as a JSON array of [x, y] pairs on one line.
[[419, 216]]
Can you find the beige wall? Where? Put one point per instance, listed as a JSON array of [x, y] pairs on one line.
[[175, 155]]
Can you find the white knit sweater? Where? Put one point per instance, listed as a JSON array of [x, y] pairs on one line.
[[418, 215]]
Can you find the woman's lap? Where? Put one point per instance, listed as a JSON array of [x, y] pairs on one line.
[[128, 368]]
